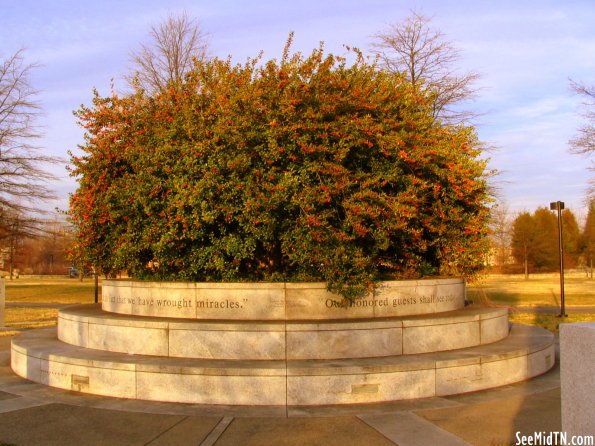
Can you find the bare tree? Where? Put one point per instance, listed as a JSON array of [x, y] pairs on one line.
[[427, 59], [584, 143], [500, 235], [175, 44], [23, 180], [16, 227]]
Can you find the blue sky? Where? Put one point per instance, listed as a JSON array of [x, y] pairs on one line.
[[525, 52]]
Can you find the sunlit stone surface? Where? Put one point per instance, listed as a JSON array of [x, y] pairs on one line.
[[281, 344]]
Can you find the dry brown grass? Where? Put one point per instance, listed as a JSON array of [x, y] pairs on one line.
[[542, 290], [50, 290], [549, 321], [18, 318]]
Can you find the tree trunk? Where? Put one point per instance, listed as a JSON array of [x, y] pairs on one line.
[[526, 265]]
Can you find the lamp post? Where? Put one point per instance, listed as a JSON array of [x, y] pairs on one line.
[[96, 277], [558, 206]]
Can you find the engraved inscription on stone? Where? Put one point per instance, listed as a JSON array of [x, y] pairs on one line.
[[386, 302], [227, 304], [79, 383], [272, 301]]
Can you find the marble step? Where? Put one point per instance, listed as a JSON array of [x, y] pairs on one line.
[[39, 356], [90, 327]]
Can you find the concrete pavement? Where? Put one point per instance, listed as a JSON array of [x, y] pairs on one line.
[[32, 414]]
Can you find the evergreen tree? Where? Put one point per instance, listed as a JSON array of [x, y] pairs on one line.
[[523, 241], [535, 240], [571, 239], [308, 168], [546, 239]]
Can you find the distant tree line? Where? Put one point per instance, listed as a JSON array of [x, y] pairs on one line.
[[529, 242], [45, 251]]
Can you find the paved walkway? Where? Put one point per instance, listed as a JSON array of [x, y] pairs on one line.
[[32, 414]]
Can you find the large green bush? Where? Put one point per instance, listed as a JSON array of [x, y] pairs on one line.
[[310, 168]]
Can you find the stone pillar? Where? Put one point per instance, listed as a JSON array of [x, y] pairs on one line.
[[577, 378], [2, 299]]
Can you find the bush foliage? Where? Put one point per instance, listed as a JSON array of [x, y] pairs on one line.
[[307, 168]]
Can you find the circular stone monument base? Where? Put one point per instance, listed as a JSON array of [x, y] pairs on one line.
[[39, 356], [281, 344], [89, 327]]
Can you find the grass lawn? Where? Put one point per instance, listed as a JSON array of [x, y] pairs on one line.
[[43, 291], [19, 317], [51, 290], [538, 290], [550, 322]]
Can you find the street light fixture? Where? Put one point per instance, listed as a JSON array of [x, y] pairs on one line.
[[558, 206]]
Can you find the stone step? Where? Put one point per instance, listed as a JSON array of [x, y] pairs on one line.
[[39, 356], [90, 327]]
